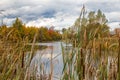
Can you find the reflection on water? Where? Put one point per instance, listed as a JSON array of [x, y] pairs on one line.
[[42, 59]]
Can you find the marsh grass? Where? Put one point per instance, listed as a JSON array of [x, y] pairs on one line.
[[95, 59], [99, 60], [12, 58]]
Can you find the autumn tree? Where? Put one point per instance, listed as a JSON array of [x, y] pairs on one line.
[[45, 34], [19, 31]]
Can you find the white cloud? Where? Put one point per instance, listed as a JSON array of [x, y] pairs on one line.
[[42, 22], [8, 21], [113, 16], [114, 25], [101, 1], [59, 21], [59, 13]]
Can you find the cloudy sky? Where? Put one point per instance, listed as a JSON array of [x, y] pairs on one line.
[[58, 13]]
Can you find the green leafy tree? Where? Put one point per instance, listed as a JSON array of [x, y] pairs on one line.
[[90, 27], [19, 26], [43, 34]]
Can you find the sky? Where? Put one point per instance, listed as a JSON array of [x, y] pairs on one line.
[[57, 13]]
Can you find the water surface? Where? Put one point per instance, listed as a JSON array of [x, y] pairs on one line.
[[42, 60]]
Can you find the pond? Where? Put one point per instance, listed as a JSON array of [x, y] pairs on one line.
[[42, 60]]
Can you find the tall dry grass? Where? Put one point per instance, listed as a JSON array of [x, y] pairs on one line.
[[13, 65], [96, 59], [99, 60]]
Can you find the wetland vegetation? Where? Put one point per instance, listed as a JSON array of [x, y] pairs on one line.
[[90, 51]]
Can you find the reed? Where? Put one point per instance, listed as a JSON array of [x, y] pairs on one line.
[[12, 58], [93, 58], [98, 60]]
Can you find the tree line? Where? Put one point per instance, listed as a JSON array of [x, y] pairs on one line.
[[19, 31]]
